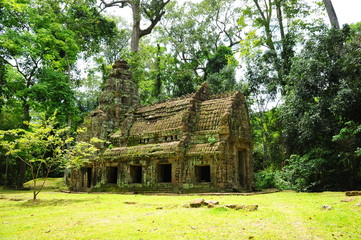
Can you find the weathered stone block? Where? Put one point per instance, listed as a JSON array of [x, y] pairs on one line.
[[196, 203], [211, 202]]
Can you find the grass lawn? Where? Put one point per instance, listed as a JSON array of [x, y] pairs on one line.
[[282, 215]]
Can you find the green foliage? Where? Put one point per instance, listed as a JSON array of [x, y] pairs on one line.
[[220, 70], [303, 172], [320, 117], [40, 43], [45, 148], [200, 38], [271, 178], [269, 38], [268, 146], [221, 58], [184, 82], [265, 179]]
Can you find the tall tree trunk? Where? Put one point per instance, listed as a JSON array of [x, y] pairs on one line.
[[153, 13], [134, 43], [158, 80], [2, 82], [331, 13], [266, 16]]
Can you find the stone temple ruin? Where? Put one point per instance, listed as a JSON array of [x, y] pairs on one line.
[[196, 143]]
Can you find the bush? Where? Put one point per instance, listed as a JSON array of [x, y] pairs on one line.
[[269, 178], [265, 179], [305, 173]]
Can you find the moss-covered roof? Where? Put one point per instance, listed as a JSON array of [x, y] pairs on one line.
[[160, 117], [211, 112], [190, 125], [165, 149]]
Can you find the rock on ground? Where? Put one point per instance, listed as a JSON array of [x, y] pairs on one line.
[[353, 193], [196, 203]]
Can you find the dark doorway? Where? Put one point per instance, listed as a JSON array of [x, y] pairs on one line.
[[87, 177], [242, 167], [112, 175], [203, 173], [165, 172], [136, 173]]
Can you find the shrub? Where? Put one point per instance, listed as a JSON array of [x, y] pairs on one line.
[[265, 179]]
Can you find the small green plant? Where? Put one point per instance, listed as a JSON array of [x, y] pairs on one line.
[[212, 140]]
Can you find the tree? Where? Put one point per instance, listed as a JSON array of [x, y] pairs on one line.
[[151, 10], [193, 33], [40, 42], [274, 33], [273, 30], [44, 149], [331, 13], [220, 70], [320, 118]]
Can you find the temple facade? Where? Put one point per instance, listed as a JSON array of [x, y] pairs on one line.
[[196, 143]]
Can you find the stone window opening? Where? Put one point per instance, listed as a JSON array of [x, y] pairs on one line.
[[203, 173], [165, 138], [87, 177], [112, 175], [164, 173], [136, 173]]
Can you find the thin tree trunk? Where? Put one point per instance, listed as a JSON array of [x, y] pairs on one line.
[[331, 13], [66, 170], [6, 171], [2, 81], [22, 165]]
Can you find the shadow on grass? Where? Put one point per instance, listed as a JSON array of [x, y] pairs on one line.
[[50, 202]]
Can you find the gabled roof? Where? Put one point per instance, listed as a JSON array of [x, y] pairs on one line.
[[192, 124], [160, 117], [211, 113]]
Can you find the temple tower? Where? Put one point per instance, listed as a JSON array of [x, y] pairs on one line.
[[119, 96]]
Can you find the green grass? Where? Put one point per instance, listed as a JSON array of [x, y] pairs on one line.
[[282, 215], [50, 183]]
